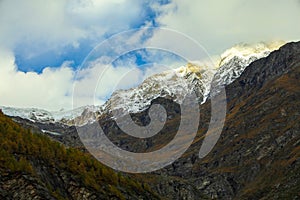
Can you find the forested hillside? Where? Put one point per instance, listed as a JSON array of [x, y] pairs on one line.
[[34, 166]]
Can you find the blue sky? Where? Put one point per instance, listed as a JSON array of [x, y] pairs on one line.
[[43, 43], [51, 57], [76, 53]]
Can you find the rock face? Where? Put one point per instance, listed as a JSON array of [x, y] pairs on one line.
[[258, 154], [235, 60], [62, 133], [18, 186]]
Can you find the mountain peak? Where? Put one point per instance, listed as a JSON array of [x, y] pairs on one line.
[[246, 51], [191, 68]]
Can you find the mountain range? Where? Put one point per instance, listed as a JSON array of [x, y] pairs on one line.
[[166, 84], [256, 157]]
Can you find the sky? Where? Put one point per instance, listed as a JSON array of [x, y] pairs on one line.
[[48, 48]]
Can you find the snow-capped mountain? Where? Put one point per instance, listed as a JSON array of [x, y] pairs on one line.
[[44, 116], [235, 60], [198, 78], [173, 84]]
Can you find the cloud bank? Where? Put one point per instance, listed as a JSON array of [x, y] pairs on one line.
[[53, 88], [218, 25]]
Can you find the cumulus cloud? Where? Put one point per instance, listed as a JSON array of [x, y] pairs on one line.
[[51, 25], [50, 89], [53, 88], [38, 27]]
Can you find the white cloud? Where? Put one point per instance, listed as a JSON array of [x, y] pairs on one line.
[[51, 25], [41, 26], [99, 81], [53, 88], [50, 89], [218, 25], [36, 23]]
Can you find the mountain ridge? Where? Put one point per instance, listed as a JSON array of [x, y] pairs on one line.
[[167, 84], [260, 138]]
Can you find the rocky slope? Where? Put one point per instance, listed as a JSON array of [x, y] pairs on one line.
[[258, 154], [235, 60]]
